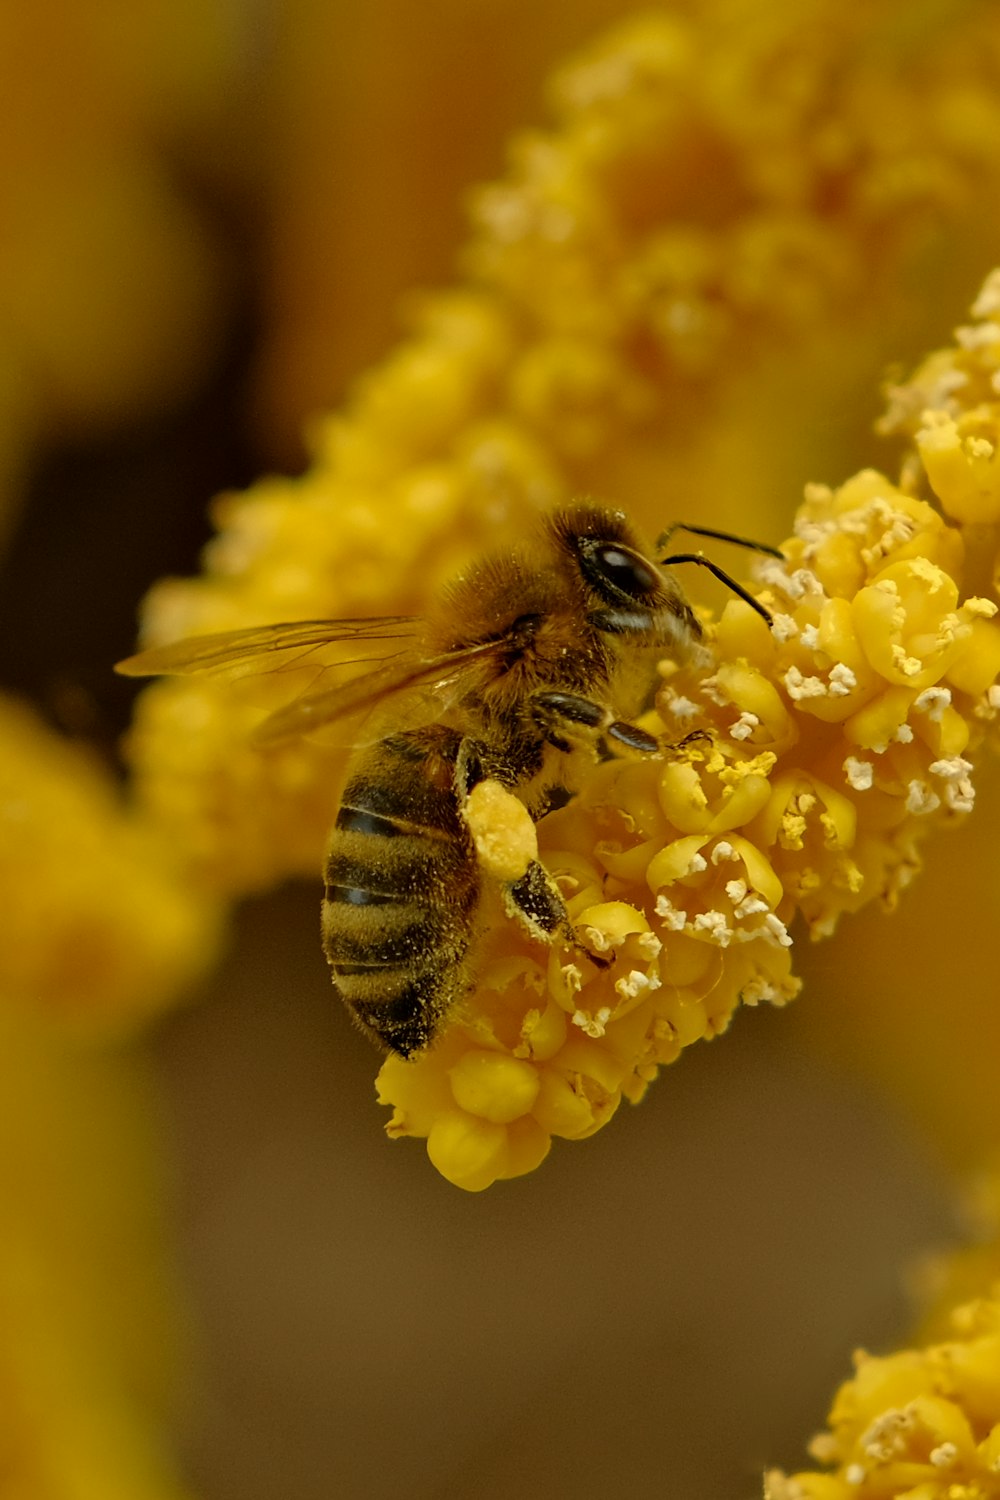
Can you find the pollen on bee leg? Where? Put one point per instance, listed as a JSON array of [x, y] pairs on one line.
[[502, 830]]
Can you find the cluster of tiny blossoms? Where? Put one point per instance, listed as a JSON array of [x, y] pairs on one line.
[[102, 929], [804, 764], [924, 1423], [812, 755], [833, 138], [604, 290], [949, 410], [100, 932]]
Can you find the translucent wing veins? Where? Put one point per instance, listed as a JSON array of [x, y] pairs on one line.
[[230, 649], [286, 648]]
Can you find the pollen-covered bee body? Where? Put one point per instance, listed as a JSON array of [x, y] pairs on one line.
[[402, 886], [403, 878], [521, 675]]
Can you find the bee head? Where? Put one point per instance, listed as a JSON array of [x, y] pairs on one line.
[[627, 593]]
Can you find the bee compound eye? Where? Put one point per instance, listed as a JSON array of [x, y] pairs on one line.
[[626, 571]]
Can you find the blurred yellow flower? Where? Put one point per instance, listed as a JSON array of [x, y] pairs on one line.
[[723, 183], [91, 1329], [923, 1423], [110, 286], [98, 935], [104, 930]]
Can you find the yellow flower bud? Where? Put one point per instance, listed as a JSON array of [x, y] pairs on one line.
[[493, 1086]]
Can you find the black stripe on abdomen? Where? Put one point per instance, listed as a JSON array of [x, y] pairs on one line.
[[392, 933], [363, 820], [401, 1009], [402, 882], [358, 895]]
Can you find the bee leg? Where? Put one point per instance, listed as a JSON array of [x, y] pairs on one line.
[[632, 737], [557, 710], [503, 833], [694, 737], [536, 902], [599, 960]]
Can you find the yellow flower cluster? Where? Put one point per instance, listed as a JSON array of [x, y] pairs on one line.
[[806, 762], [102, 337], [832, 138], [950, 411], [92, 1321], [598, 284], [104, 932], [809, 759], [923, 1423]]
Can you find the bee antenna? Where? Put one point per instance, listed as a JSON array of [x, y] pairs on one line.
[[718, 536], [723, 577]]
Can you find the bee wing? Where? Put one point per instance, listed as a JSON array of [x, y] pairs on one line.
[[303, 655], [426, 687], [267, 648]]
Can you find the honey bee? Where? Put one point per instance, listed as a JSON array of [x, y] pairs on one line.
[[530, 665]]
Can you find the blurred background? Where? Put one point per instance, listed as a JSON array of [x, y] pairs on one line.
[[210, 214]]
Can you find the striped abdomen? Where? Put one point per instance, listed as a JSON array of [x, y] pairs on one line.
[[401, 889]]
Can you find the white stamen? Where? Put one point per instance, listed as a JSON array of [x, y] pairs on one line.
[[860, 774], [920, 799], [674, 920], [636, 983], [593, 1024], [933, 701], [744, 726], [715, 927], [842, 681], [799, 687], [682, 708], [784, 628]]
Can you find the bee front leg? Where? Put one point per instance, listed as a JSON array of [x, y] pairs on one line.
[[559, 712]]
